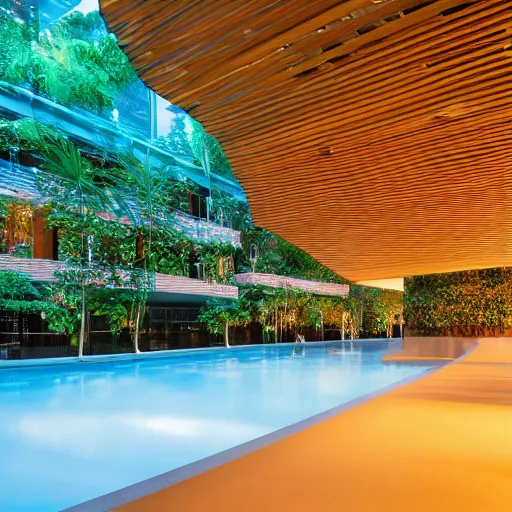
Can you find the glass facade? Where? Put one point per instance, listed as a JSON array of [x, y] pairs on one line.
[[116, 207], [121, 224]]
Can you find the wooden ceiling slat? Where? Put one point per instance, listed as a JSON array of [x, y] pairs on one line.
[[387, 30], [339, 31], [376, 85], [283, 148], [498, 120], [388, 155], [374, 91], [375, 78], [285, 71]]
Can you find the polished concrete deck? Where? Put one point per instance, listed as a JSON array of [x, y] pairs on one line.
[[443, 442]]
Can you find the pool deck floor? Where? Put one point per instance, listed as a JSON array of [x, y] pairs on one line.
[[442, 442]]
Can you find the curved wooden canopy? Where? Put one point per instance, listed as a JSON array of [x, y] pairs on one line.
[[375, 135]]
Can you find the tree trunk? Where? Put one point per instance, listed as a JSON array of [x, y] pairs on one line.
[[81, 340], [226, 334], [137, 326], [20, 327], [139, 247], [343, 327]]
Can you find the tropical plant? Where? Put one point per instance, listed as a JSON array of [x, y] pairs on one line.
[[217, 261], [63, 64], [219, 315], [277, 256], [19, 295], [17, 286], [72, 178], [77, 25], [377, 309], [15, 51], [281, 311]]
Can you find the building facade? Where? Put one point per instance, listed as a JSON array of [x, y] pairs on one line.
[[121, 221]]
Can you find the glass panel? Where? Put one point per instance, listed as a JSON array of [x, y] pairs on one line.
[[106, 192]]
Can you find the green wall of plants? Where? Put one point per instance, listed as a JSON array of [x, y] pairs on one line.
[[470, 303]]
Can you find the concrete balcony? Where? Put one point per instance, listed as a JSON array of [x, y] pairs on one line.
[[276, 281], [161, 289], [18, 181], [36, 269], [187, 286], [200, 229]]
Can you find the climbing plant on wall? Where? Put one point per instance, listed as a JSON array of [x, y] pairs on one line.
[[273, 255]]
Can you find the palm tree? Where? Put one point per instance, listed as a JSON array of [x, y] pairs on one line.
[[146, 199], [72, 178]]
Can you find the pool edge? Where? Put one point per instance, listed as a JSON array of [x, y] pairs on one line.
[[9, 364], [154, 484]]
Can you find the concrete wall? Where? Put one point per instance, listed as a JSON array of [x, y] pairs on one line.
[[433, 347]]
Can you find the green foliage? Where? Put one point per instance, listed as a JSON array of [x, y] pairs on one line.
[[118, 306], [61, 319], [4, 206], [218, 312], [377, 308], [15, 52], [110, 243], [16, 286], [177, 142], [228, 211], [210, 255], [104, 295], [276, 256], [23, 134], [176, 193], [171, 251], [77, 25], [70, 177], [63, 64], [18, 294], [280, 310], [468, 303], [208, 152]]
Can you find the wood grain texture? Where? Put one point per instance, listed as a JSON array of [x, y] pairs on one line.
[[376, 136]]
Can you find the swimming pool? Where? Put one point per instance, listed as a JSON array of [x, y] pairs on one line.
[[70, 433]]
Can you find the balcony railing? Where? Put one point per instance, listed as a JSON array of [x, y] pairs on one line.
[[36, 269], [18, 181], [178, 284], [202, 230], [276, 281], [44, 271]]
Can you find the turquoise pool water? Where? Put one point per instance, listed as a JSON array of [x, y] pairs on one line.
[[73, 432]]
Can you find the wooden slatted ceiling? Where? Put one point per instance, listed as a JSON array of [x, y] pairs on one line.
[[374, 135]]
